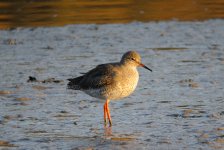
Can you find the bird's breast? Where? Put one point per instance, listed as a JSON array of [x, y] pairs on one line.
[[124, 83], [129, 82]]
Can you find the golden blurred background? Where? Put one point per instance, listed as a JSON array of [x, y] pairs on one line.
[[29, 13]]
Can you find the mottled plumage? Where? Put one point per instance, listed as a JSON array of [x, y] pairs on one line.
[[110, 81]]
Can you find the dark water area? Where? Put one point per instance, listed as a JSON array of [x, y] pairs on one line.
[[17, 13]]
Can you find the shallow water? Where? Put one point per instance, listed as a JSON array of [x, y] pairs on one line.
[[177, 106]]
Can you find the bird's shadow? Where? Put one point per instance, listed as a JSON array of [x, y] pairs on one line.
[[108, 131], [109, 135]]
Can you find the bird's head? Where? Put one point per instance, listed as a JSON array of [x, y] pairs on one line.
[[134, 59]]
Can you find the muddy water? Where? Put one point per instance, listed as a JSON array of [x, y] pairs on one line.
[[177, 106], [29, 13]]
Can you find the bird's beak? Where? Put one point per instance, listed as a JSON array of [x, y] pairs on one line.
[[144, 66]]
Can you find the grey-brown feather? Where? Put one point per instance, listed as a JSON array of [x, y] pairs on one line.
[[95, 78]]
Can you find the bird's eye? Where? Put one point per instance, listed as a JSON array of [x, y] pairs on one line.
[[132, 59]]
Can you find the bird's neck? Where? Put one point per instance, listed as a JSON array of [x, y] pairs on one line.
[[128, 66]]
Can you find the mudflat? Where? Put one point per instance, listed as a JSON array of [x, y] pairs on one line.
[[177, 106]]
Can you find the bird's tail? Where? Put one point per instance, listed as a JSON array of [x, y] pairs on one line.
[[74, 83]]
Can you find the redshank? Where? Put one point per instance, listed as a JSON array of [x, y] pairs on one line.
[[110, 81]]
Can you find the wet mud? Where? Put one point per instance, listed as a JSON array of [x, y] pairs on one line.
[[177, 106]]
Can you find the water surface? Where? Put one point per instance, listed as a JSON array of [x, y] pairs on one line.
[[177, 106], [14, 13]]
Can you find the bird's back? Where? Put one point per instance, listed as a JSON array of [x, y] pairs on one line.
[[98, 77]]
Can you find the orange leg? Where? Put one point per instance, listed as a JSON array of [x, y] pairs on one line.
[[108, 112], [105, 114]]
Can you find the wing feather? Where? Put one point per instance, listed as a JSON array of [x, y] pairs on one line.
[[98, 77]]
